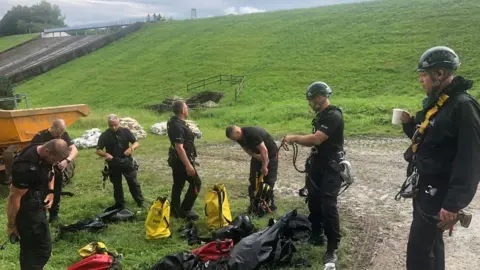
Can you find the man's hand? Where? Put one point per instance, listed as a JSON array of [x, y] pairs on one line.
[[128, 152], [406, 117], [11, 231], [62, 165], [108, 156], [48, 201], [290, 139], [447, 216], [264, 170], [190, 170]]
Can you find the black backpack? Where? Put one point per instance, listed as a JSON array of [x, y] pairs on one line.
[[241, 227]]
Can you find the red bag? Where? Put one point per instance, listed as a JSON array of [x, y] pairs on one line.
[[96, 262], [214, 250]]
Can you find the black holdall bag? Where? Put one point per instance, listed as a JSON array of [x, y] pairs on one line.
[[270, 246]]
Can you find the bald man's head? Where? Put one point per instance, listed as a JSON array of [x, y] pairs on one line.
[[54, 151], [58, 128]]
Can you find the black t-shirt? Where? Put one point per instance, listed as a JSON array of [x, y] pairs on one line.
[[330, 121], [254, 136], [179, 132], [116, 143], [28, 170], [45, 136]]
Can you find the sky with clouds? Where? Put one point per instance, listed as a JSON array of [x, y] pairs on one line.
[[93, 11]]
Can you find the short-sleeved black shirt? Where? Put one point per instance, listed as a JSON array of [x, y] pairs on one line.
[[45, 136], [330, 121], [254, 136], [179, 132], [28, 170], [116, 143]]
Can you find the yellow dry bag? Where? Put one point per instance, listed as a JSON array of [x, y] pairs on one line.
[[92, 249], [217, 208], [157, 224]]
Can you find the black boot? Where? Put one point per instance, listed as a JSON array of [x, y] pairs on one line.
[[177, 213], [53, 218], [331, 256], [190, 215], [317, 239]]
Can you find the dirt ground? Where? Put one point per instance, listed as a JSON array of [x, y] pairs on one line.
[[383, 223]]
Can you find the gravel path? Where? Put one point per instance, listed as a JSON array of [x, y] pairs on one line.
[[383, 223]]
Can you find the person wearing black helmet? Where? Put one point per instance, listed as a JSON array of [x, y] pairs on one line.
[[322, 166], [443, 156]]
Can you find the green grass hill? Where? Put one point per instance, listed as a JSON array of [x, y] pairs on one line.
[[366, 52], [10, 41]]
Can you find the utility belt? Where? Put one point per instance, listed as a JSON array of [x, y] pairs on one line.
[[336, 161], [126, 162], [324, 161], [34, 199], [174, 159]]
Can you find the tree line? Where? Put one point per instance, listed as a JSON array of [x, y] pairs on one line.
[[24, 19], [156, 18]]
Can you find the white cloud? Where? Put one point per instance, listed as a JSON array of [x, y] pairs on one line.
[[242, 10]]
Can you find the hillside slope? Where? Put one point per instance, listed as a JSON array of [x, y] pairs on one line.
[[10, 41], [366, 52]]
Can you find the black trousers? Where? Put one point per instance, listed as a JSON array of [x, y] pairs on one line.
[[180, 176], [323, 188], [55, 209], [425, 249], [35, 241], [269, 179], [130, 175]]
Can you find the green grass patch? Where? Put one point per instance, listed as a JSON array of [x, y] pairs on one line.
[[10, 41], [366, 52], [129, 238]]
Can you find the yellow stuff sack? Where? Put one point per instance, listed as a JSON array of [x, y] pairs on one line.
[[157, 224], [92, 249], [217, 208]]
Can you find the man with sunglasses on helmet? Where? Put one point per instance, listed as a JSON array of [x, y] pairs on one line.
[[322, 167], [444, 155]]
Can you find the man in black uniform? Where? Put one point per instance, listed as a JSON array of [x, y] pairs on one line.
[[259, 144], [31, 193], [444, 153], [57, 131], [116, 140], [181, 158], [323, 171]]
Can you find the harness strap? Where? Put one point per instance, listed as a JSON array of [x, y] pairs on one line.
[[418, 136]]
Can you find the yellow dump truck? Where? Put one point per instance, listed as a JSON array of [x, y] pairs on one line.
[[18, 127]]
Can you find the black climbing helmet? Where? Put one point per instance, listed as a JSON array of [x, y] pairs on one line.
[[318, 89], [438, 57]]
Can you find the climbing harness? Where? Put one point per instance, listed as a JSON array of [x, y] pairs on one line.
[[417, 139], [418, 136], [344, 167], [259, 206]]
